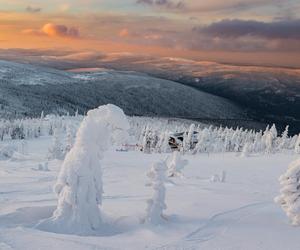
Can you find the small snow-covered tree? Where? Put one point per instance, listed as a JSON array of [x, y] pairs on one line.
[[297, 145], [163, 143], [283, 140], [269, 142], [289, 197], [273, 130], [175, 164], [146, 143], [203, 144], [56, 149], [246, 150], [156, 205], [188, 139], [79, 184], [69, 139]]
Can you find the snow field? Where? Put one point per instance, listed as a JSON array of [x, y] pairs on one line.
[[237, 214]]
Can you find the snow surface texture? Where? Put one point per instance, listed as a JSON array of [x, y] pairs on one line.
[[289, 199], [79, 184], [236, 215]]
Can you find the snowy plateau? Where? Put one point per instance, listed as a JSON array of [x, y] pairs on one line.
[[217, 193]]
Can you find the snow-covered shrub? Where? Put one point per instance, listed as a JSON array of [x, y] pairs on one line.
[[79, 184], [43, 167], [289, 197], [156, 205], [219, 178], [7, 151], [175, 164]]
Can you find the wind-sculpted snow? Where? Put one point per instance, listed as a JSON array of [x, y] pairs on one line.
[[32, 90]]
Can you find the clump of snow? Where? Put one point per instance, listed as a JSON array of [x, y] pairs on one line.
[[7, 151], [156, 205], [219, 178], [289, 197], [43, 167], [79, 184], [175, 164]]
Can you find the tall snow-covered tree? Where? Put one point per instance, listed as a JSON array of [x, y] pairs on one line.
[[79, 184], [289, 198]]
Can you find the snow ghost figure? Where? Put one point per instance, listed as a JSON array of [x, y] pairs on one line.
[[289, 197], [156, 204], [79, 183]]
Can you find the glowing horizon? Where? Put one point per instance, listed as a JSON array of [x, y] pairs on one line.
[[238, 31]]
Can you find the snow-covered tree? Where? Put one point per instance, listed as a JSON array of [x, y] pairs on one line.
[[56, 150], [297, 145], [246, 150], [203, 143], [163, 143], [283, 140], [269, 142], [273, 130], [175, 164], [79, 184], [289, 197], [146, 143], [188, 139], [69, 139], [156, 205]]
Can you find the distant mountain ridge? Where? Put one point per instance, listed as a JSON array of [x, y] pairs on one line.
[[265, 94], [27, 90]]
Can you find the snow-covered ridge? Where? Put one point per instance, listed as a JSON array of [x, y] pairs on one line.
[[27, 90]]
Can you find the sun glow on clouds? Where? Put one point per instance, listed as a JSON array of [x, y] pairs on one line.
[[54, 30], [177, 27]]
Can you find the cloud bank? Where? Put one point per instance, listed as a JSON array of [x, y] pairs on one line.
[[285, 29]]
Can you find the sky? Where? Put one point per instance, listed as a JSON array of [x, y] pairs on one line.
[[233, 31]]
